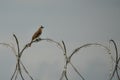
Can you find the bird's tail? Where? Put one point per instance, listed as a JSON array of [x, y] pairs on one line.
[[30, 43]]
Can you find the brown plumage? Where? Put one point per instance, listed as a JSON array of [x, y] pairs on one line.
[[36, 34]]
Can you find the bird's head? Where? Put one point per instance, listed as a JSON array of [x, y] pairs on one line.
[[41, 27]]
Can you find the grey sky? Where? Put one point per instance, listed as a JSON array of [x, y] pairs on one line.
[[75, 21]]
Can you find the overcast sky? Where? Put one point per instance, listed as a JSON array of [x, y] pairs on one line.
[[77, 22]]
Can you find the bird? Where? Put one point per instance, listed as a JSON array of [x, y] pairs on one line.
[[36, 34]]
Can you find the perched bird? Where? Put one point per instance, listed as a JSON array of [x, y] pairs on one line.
[[36, 34]]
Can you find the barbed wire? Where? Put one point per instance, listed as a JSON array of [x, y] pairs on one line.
[[19, 65]]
